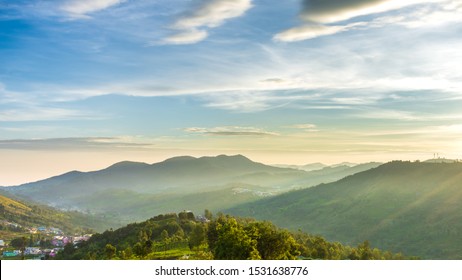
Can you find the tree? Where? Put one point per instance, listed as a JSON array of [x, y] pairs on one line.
[[197, 236], [273, 243], [172, 228], [143, 236], [165, 239], [68, 250], [164, 235], [126, 254], [110, 251], [18, 243], [228, 240], [139, 249], [186, 215], [207, 214], [364, 251]]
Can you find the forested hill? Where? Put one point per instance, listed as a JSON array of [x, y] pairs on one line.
[[185, 236], [412, 207], [23, 214], [133, 191]]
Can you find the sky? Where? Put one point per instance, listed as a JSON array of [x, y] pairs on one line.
[[87, 83]]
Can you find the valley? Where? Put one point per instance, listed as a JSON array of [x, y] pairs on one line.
[[408, 207]]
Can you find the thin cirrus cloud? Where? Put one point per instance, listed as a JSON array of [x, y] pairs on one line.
[[192, 26], [230, 131], [310, 31], [303, 126], [71, 142], [80, 8], [321, 17], [40, 113]]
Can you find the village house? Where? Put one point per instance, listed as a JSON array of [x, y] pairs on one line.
[[13, 253], [60, 241], [10, 254], [202, 219], [56, 231], [32, 251], [78, 239]]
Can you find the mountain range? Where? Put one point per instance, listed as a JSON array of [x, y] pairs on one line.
[[409, 207], [412, 207], [129, 191]]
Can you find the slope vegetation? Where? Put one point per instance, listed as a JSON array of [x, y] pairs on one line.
[[23, 214], [172, 236], [129, 191], [415, 208]]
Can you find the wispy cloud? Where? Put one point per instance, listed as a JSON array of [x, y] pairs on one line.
[[330, 11], [444, 12], [39, 113], [385, 114], [231, 131], [305, 127], [193, 26], [186, 37], [80, 8], [301, 98], [72, 143], [56, 9], [328, 17], [355, 100], [310, 31], [428, 116], [6, 96], [243, 101]]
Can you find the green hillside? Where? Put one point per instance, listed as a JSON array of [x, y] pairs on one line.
[[127, 206], [131, 191], [10, 206], [415, 208], [184, 236], [27, 214]]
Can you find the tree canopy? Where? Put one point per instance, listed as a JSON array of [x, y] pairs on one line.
[[225, 237]]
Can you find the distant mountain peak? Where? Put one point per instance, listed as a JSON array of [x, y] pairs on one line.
[[233, 157], [180, 158], [441, 160], [206, 158], [345, 163], [126, 163]]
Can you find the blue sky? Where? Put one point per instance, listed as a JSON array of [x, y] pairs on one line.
[[86, 83]]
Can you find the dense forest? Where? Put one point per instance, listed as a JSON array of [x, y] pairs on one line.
[[185, 236]]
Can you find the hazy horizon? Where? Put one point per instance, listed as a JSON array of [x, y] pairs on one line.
[[51, 170], [85, 84]]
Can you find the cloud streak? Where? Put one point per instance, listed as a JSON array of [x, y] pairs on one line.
[[326, 17], [193, 26], [36, 114], [39, 113], [80, 8], [330, 11], [305, 127], [70, 143], [230, 131], [311, 31]]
